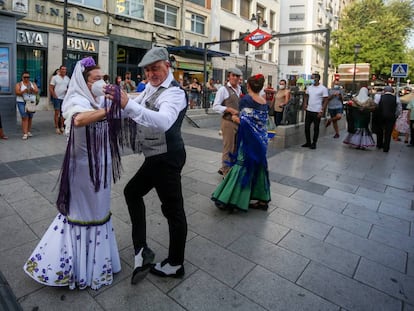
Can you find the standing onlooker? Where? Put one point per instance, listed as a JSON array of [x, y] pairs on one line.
[[58, 87], [211, 91], [128, 85], [194, 90], [118, 81], [360, 108], [79, 249], [315, 103], [24, 89], [410, 120], [282, 98], [2, 135], [335, 107], [227, 104], [218, 84], [387, 109], [141, 85], [269, 96], [248, 178], [159, 112]]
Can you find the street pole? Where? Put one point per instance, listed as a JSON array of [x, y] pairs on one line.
[[356, 51], [65, 33]]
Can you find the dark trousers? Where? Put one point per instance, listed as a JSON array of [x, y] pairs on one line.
[[312, 117], [162, 172], [412, 132], [278, 117], [384, 134]]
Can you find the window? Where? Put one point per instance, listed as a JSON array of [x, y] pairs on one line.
[[225, 34], [227, 5], [199, 2], [296, 12], [272, 20], [33, 61], [197, 24], [243, 46], [245, 9], [295, 58], [271, 55], [92, 3], [165, 14], [134, 8], [259, 56], [297, 16]]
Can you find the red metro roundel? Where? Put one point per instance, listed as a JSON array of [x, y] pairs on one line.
[[258, 37]]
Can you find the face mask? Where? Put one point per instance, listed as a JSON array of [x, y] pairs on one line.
[[336, 86], [281, 86], [98, 88], [312, 81]]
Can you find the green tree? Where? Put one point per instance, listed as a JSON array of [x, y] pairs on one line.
[[381, 27]]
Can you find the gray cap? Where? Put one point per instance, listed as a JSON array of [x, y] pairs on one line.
[[388, 89], [235, 71], [154, 55]]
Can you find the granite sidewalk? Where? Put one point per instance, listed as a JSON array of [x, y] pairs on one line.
[[339, 233]]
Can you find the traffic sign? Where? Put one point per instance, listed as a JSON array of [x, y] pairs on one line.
[[258, 37], [399, 70]]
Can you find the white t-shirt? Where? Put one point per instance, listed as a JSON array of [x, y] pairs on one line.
[[61, 85], [316, 96]]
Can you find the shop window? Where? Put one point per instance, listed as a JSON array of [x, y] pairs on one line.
[[165, 14], [74, 57], [92, 3], [197, 24], [227, 5], [134, 8], [33, 61]]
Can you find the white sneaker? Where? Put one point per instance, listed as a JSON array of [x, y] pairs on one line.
[[165, 269], [29, 134], [25, 136]]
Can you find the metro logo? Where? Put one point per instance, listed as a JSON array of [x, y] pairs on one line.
[[258, 37]]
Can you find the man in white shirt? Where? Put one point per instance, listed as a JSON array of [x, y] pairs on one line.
[[57, 88], [316, 100]]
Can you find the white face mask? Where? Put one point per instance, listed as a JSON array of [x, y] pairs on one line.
[[98, 88], [282, 87]]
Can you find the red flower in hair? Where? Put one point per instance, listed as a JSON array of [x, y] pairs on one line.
[[258, 76]]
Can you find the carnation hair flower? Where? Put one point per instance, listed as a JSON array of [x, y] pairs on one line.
[[258, 76], [88, 62]]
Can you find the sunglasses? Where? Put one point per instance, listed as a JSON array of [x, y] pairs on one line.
[[26, 77]]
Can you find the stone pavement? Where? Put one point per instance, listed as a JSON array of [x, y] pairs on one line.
[[338, 234]]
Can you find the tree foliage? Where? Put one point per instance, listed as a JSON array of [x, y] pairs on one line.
[[381, 27]]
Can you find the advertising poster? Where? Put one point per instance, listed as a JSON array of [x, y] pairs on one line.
[[4, 70]]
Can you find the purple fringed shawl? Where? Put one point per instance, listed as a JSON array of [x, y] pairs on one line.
[[96, 142]]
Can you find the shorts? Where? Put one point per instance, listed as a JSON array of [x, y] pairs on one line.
[[335, 111], [57, 103], [22, 110]]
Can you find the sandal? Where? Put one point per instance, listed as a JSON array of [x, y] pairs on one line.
[[4, 137], [259, 205]]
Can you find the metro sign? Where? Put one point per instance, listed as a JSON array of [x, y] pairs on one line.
[[258, 37]]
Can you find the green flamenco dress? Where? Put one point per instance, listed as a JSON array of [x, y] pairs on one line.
[[248, 178]]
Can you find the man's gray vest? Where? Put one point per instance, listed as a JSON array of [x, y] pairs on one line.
[[153, 142]]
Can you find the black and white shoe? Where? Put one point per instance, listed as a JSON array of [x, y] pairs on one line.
[[164, 269], [143, 261]]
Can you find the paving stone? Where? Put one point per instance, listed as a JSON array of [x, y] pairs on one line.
[[353, 199], [290, 204], [332, 204], [386, 197], [200, 187], [144, 296], [334, 184], [396, 211], [392, 238], [339, 220], [17, 191], [35, 208], [222, 264], [304, 184], [364, 183], [300, 223], [401, 193], [203, 292], [5, 208], [279, 188], [275, 293], [408, 307], [16, 231], [392, 282], [410, 264], [370, 216], [381, 253], [272, 257], [344, 291], [334, 257]]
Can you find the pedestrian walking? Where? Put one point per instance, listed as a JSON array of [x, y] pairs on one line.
[[387, 111], [335, 107], [57, 88]]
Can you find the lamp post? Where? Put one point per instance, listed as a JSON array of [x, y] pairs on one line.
[[357, 48], [65, 33]]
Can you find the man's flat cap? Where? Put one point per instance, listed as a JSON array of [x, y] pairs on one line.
[[154, 55], [235, 71]]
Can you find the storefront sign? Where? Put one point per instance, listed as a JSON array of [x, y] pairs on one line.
[[56, 12], [32, 38], [83, 45]]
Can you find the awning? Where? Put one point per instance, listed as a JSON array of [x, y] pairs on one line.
[[185, 51]]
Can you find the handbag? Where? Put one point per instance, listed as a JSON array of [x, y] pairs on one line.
[[30, 102]]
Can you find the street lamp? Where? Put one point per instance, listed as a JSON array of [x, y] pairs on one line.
[[357, 48], [257, 18]]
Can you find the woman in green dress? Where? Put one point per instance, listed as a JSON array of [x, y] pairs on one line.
[[248, 179]]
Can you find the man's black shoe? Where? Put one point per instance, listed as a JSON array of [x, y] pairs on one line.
[[165, 269], [220, 172], [313, 146], [306, 145], [143, 262]]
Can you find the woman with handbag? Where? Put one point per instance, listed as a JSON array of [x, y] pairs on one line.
[[26, 100]]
